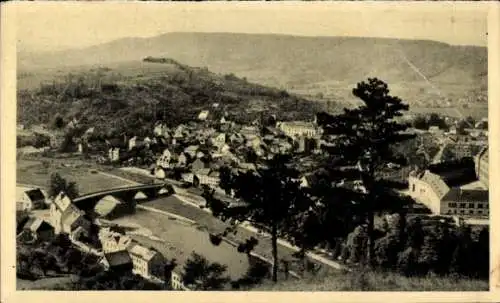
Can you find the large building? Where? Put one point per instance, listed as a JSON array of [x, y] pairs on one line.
[[430, 189], [298, 128]]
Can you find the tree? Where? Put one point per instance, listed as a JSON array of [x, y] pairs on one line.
[[436, 120], [273, 199], [463, 253], [421, 122], [200, 274], [363, 137], [58, 184], [58, 122]]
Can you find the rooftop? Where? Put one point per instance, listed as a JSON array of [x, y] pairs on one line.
[[142, 252], [474, 185], [35, 194], [118, 258], [436, 182]]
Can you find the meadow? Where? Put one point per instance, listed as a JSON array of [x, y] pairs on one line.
[[37, 172]]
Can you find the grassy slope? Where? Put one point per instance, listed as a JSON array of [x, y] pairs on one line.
[[377, 281], [315, 64]]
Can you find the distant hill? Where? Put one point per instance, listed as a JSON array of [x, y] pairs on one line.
[[415, 69]]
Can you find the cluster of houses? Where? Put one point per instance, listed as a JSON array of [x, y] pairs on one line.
[[117, 251], [200, 149]]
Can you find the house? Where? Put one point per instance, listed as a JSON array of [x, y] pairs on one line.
[[146, 262], [114, 154], [206, 176], [134, 142], [308, 180], [191, 150], [224, 149], [188, 177], [39, 228], [435, 129], [65, 216], [203, 115], [219, 139], [298, 128], [253, 141], [160, 130], [249, 131], [117, 261], [30, 199], [431, 190], [176, 282], [147, 142], [73, 220], [164, 160], [113, 241], [179, 131], [182, 160]]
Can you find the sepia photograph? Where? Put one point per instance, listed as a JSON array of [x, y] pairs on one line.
[[251, 148]]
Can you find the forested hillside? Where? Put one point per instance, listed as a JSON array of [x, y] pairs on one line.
[[132, 96]]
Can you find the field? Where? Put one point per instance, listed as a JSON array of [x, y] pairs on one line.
[[180, 239], [32, 172]]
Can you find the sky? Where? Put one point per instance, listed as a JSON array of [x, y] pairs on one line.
[[54, 26]]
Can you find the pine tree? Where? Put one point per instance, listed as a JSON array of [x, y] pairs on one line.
[[273, 199], [364, 136]]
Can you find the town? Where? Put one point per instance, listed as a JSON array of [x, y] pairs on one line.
[[450, 185], [252, 149]]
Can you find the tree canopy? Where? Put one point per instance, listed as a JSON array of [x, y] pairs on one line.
[[58, 184]]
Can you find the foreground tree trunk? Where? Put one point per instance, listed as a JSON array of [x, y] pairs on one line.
[[274, 240], [369, 185], [371, 240]]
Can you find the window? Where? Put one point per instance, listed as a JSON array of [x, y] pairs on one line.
[[479, 212], [452, 204], [462, 211], [413, 187], [479, 205], [471, 205], [471, 211], [462, 205]]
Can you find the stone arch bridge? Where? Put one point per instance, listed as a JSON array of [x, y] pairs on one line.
[[129, 195]]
